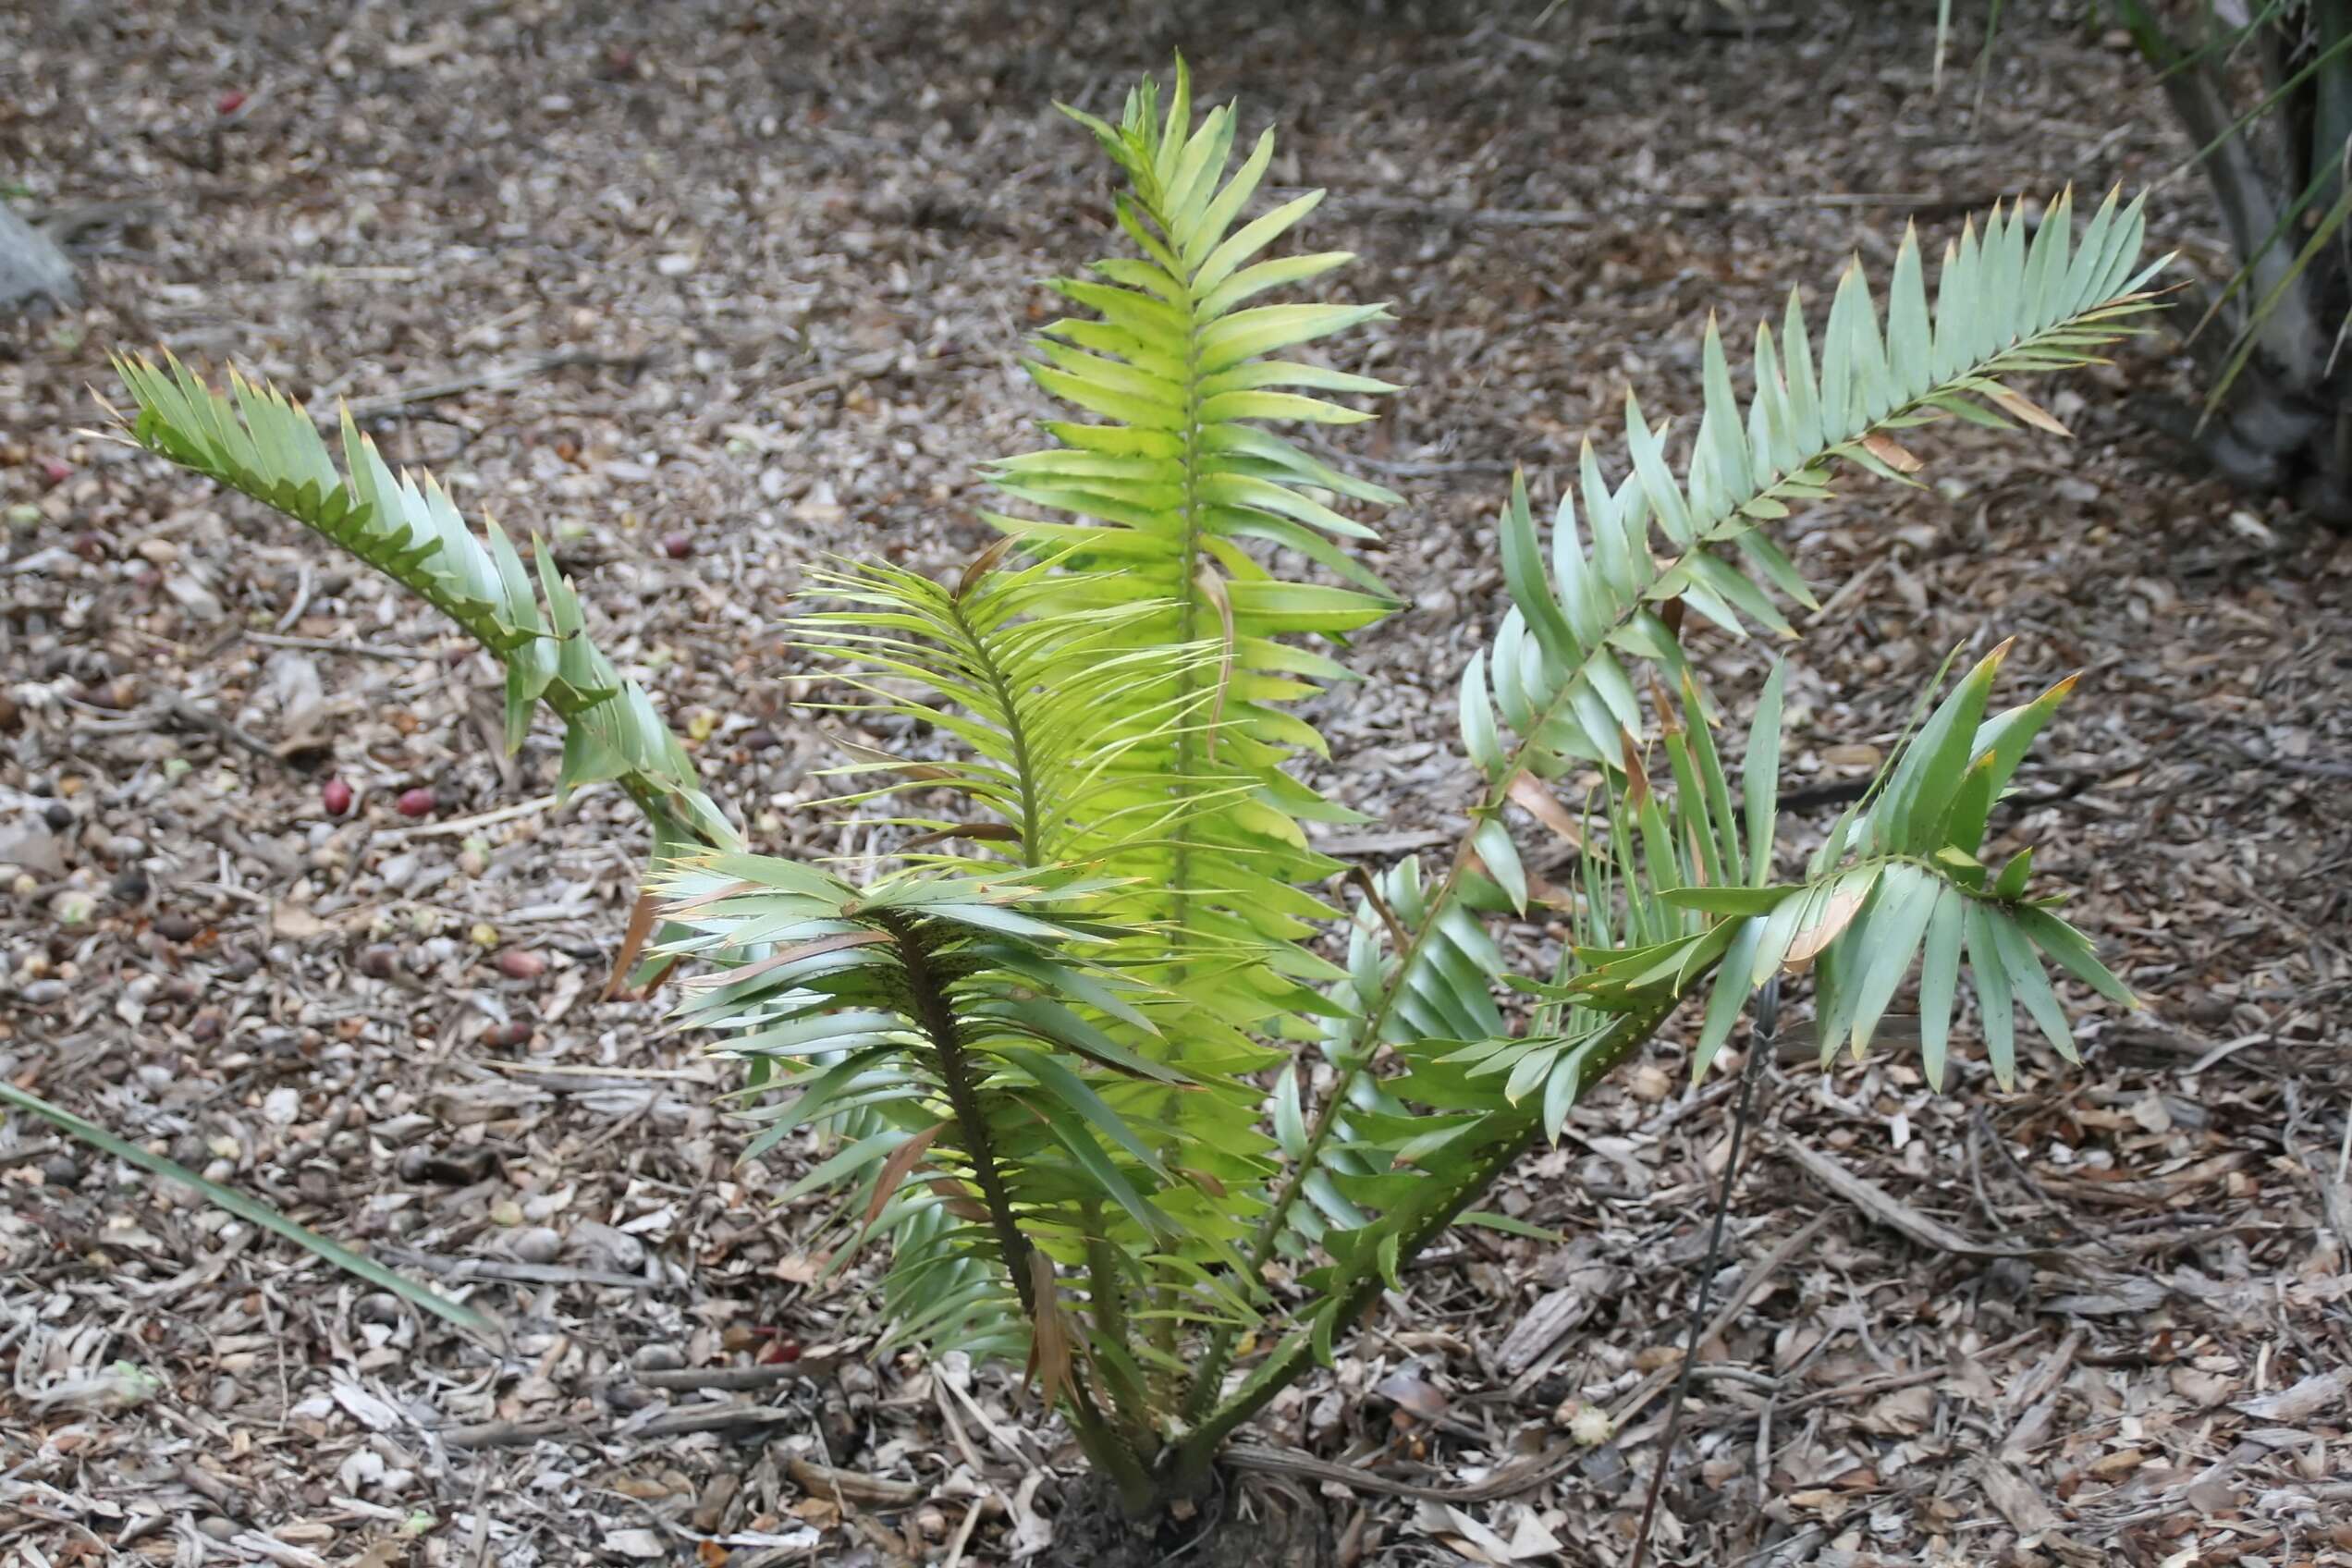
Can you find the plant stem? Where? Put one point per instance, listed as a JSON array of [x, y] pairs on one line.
[[1762, 1034], [1024, 773], [936, 1014], [1180, 831], [935, 1011]]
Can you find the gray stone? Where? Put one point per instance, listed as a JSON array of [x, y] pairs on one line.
[[31, 267]]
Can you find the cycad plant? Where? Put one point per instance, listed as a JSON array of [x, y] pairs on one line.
[[1129, 1100]]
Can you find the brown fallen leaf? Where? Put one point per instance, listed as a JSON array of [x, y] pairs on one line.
[[2320, 1391]]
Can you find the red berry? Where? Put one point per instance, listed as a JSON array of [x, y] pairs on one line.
[[229, 102], [677, 546], [335, 796], [55, 472], [521, 964], [419, 802]]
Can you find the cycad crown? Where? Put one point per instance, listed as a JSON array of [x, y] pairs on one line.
[[1045, 1034]]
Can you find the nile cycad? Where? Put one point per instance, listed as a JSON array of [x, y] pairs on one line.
[[1057, 1037]]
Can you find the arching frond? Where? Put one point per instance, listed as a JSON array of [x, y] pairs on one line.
[[1001, 1121], [264, 444], [1555, 689]]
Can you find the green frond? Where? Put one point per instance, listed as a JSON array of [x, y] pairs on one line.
[[265, 445], [1556, 676], [1047, 705], [1662, 921], [1557, 688], [964, 1015], [1173, 493]]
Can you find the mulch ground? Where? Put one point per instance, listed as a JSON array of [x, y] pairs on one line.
[[701, 292]]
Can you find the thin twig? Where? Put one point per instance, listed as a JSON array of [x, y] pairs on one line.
[[1370, 886], [525, 1273], [187, 713], [362, 409], [1306, 1467], [461, 826], [1759, 1046], [329, 645], [738, 1379], [2310, 767]]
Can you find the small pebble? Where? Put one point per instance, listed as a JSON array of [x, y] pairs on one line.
[[413, 1163], [59, 815], [514, 1032], [538, 1244], [215, 1526], [378, 961], [658, 1357], [177, 927], [61, 1171], [130, 885], [43, 993]]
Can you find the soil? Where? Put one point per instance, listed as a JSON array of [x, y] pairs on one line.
[[1246, 1522], [700, 292]]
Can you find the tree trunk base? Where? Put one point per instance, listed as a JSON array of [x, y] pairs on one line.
[[1243, 1522], [2262, 450]]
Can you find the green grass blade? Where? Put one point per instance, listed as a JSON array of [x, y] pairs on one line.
[[249, 1209]]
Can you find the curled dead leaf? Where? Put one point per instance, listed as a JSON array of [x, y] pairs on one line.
[[1893, 453], [1048, 1335], [632, 941], [2025, 409], [894, 1169], [1821, 928], [1530, 794], [984, 563]]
